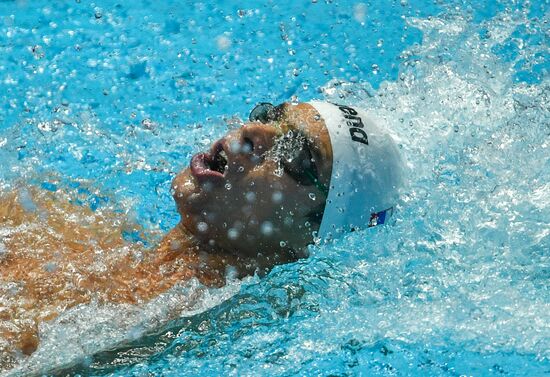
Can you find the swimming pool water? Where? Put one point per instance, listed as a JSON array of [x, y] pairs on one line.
[[118, 96]]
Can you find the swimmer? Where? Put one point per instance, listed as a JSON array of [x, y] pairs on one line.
[[291, 176]]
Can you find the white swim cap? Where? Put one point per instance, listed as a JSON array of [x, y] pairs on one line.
[[366, 170]]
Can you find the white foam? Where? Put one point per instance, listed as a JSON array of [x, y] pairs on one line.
[[86, 329]]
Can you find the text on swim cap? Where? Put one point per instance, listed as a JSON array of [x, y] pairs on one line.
[[355, 124]]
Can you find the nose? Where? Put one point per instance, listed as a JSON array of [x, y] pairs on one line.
[[250, 142], [258, 138]]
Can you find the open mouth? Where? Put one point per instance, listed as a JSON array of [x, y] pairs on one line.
[[211, 165], [218, 162]]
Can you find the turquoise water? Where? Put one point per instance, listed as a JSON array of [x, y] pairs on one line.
[[117, 96]]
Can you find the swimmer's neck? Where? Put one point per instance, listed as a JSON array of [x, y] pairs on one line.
[[213, 264]]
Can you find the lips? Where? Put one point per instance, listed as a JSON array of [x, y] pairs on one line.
[[210, 166]]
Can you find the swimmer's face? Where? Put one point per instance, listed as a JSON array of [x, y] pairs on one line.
[[258, 189]]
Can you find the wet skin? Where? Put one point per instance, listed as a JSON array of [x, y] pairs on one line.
[[262, 220], [251, 210]]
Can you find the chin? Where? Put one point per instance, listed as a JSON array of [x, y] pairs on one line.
[[184, 187]]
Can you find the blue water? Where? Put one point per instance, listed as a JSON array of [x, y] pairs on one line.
[[112, 98]]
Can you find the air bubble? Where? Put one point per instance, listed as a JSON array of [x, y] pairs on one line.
[[312, 196], [282, 243], [228, 186]]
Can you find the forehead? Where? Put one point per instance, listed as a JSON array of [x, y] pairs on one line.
[[305, 118]]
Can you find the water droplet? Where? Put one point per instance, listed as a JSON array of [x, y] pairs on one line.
[[375, 69], [223, 42], [267, 228], [312, 196], [235, 146], [148, 124], [279, 171], [231, 273], [50, 267], [228, 186], [277, 197], [282, 243], [233, 233], [380, 43], [240, 169], [250, 196], [202, 226], [208, 186], [46, 126], [360, 12]]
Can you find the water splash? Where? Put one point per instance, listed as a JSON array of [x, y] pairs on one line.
[[458, 285]]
